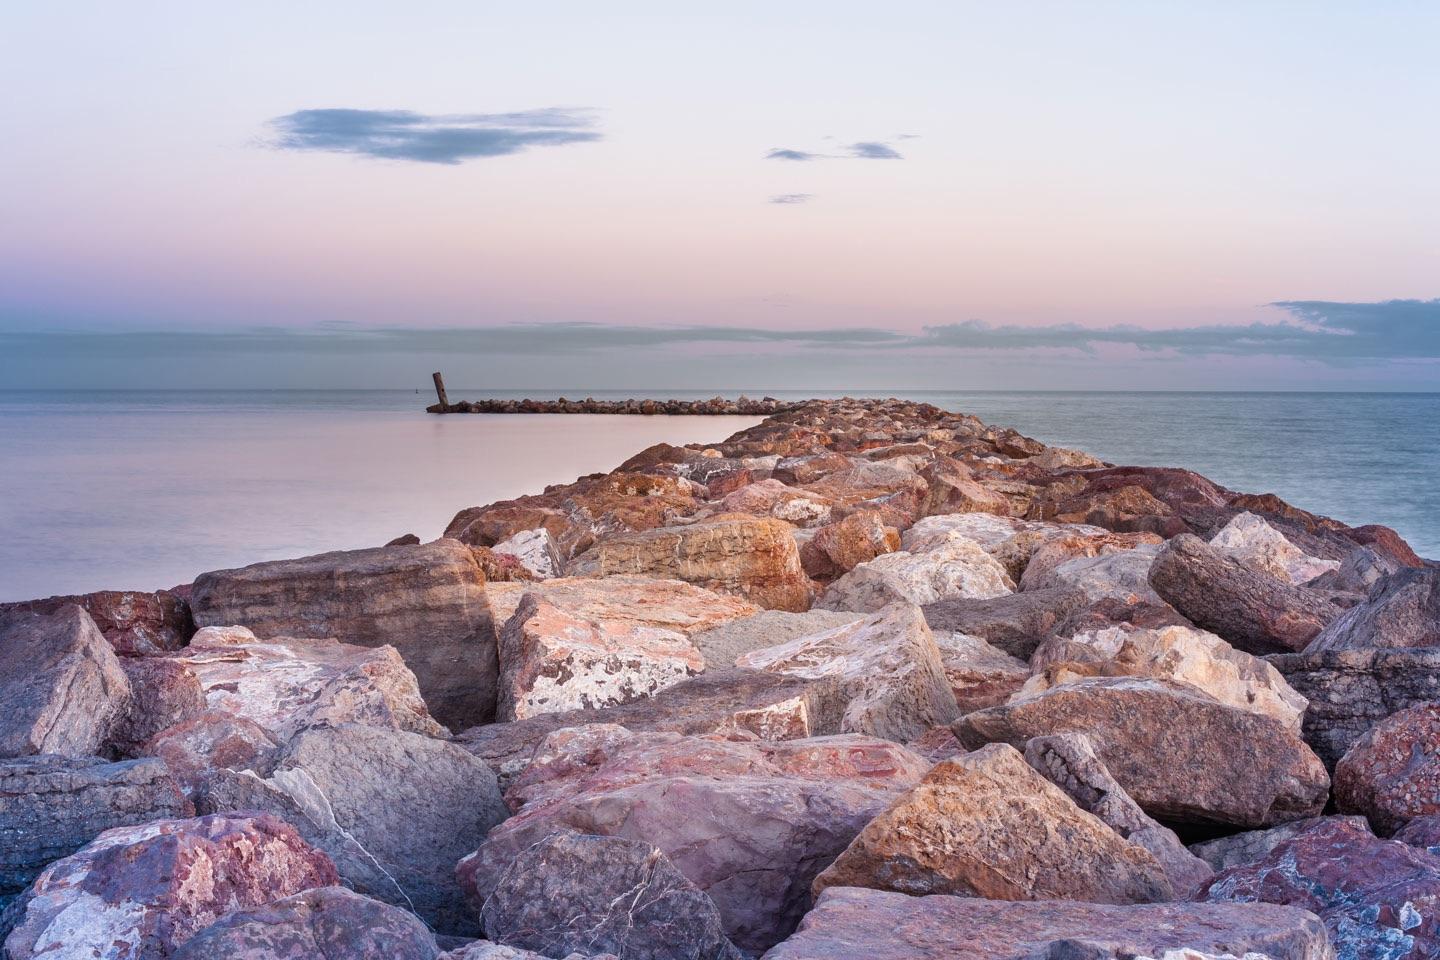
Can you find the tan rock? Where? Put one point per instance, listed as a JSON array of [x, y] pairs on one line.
[[1010, 540], [952, 488], [1121, 575], [987, 825], [771, 498], [1073, 541], [1261, 547], [626, 601], [954, 567], [724, 644]]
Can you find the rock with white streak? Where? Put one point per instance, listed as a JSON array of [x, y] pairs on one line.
[[954, 567], [889, 666], [723, 644], [1261, 547], [980, 675], [535, 550]]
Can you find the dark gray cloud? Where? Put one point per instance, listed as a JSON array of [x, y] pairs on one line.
[[780, 153], [446, 138], [788, 198], [874, 150]]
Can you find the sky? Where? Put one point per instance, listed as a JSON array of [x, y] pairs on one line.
[[949, 195]]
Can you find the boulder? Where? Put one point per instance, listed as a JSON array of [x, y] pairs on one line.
[[955, 568], [1009, 540], [164, 691], [1253, 611], [1183, 654], [572, 892], [488, 950], [748, 822], [1379, 899], [727, 700], [1182, 755], [1069, 761], [629, 603], [136, 624], [771, 498], [552, 660], [980, 675], [1361, 569], [426, 601], [851, 923], [286, 685], [1016, 623], [140, 892], [889, 668], [194, 749], [839, 547], [535, 550], [723, 645], [329, 922], [1259, 546], [1112, 612], [1401, 610], [1238, 849], [987, 825], [951, 487], [1350, 691], [61, 686], [1392, 774], [1422, 832], [1078, 542], [1120, 575], [394, 810], [751, 557], [51, 806]]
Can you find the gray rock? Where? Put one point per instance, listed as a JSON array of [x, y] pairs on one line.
[[573, 892], [1222, 853], [51, 806], [427, 601], [61, 686], [769, 628], [1015, 623], [164, 691], [1401, 610], [394, 810], [1358, 572]]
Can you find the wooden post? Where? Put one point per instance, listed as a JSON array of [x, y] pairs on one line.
[[440, 391]]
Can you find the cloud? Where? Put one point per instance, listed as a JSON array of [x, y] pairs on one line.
[[797, 155], [788, 198], [445, 138], [874, 150]]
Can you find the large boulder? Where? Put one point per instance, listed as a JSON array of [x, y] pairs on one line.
[[1009, 540], [394, 810], [632, 603], [770, 706], [51, 806], [722, 645], [1250, 540], [1069, 761], [534, 550], [286, 685], [771, 498], [137, 624], [1119, 575], [1392, 774], [164, 691], [951, 487], [889, 668], [1182, 755], [1183, 654], [1254, 611], [955, 567], [332, 923], [426, 601], [748, 822], [572, 892], [1238, 849], [851, 923], [196, 748], [980, 675], [1401, 610], [1380, 899], [839, 547], [752, 557], [1350, 691], [1015, 623], [987, 825], [61, 686], [138, 893]]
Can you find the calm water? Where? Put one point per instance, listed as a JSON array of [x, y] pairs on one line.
[[143, 490]]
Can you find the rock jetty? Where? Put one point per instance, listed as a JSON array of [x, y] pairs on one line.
[[714, 407], [870, 680]]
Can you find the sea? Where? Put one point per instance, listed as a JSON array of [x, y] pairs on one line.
[[147, 489]]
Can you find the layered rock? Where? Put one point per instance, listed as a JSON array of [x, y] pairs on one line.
[[850, 923], [1392, 774], [755, 558], [426, 601], [1259, 546], [1183, 654], [980, 675], [571, 892], [987, 825], [1402, 610], [954, 567], [1182, 755], [51, 806], [888, 666], [1253, 611], [140, 892], [136, 624], [329, 922], [61, 686], [749, 822], [1380, 899], [394, 810]]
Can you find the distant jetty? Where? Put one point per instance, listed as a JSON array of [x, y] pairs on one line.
[[714, 407]]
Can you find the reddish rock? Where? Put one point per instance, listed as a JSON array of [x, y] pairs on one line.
[[164, 692], [980, 675], [851, 923], [1182, 755], [771, 498], [1385, 542], [1379, 899], [1401, 610], [953, 567], [329, 922], [1392, 774], [718, 485], [137, 624], [138, 893], [1040, 569], [61, 686], [195, 748], [951, 488], [838, 547], [1016, 623], [1240, 849], [1123, 575], [1422, 832]]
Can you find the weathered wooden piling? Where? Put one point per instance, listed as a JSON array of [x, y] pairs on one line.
[[440, 392]]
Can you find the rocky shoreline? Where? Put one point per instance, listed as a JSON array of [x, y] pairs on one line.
[[867, 680], [714, 407]]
